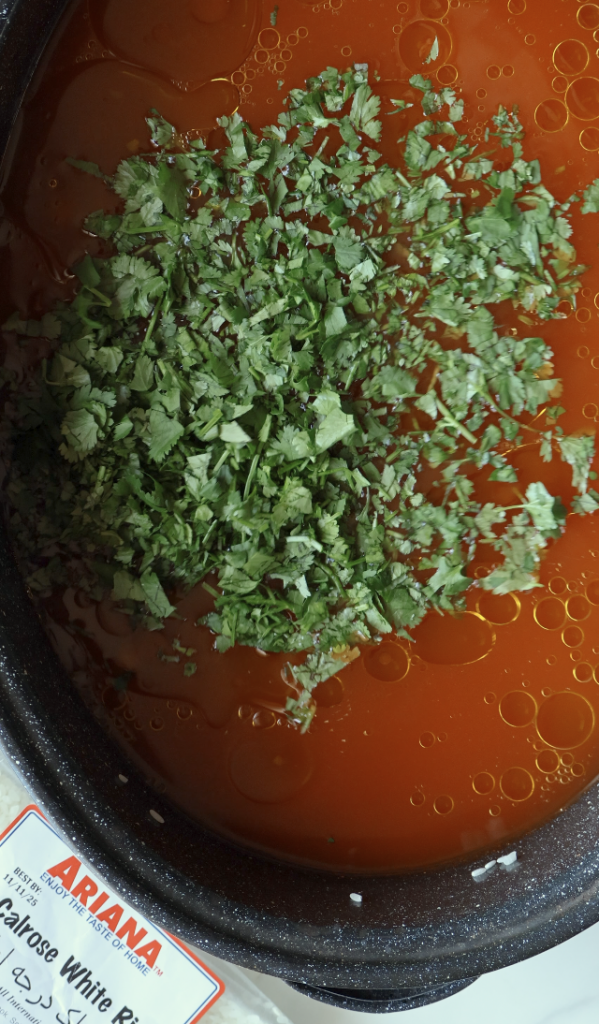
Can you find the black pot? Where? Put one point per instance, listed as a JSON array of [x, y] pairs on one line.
[[413, 939]]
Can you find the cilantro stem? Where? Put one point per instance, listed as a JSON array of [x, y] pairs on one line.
[[438, 232], [455, 423], [152, 323], [211, 423], [221, 462], [333, 575], [103, 299], [506, 415], [252, 472]]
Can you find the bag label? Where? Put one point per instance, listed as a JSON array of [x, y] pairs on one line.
[[71, 951]]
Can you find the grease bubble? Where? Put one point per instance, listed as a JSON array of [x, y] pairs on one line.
[[483, 783], [565, 720], [443, 804], [517, 784], [517, 709]]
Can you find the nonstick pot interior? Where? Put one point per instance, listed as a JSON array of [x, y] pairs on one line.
[[409, 932]]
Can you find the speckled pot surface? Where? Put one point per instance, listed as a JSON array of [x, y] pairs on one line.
[[420, 931]]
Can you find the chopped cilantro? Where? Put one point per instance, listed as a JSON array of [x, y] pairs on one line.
[[434, 51], [591, 198], [250, 389]]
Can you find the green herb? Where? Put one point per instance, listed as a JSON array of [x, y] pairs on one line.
[[273, 15], [87, 166], [591, 198], [251, 391], [434, 51]]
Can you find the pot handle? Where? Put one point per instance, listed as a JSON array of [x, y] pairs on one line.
[[381, 1000]]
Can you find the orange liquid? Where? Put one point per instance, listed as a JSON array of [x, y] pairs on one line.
[[485, 726]]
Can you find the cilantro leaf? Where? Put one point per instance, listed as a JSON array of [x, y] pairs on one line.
[[591, 198]]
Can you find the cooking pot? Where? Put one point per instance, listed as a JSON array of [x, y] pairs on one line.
[[411, 939]]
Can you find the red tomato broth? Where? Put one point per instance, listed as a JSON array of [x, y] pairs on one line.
[[484, 727]]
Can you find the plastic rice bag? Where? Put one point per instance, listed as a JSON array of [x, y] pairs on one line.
[[241, 1003]]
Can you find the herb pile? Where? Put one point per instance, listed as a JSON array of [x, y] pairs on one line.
[[287, 335]]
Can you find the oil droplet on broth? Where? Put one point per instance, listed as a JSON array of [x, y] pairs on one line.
[[592, 592], [550, 613], [551, 115], [483, 783], [572, 636], [578, 608], [416, 42], [270, 769], [388, 662], [427, 739], [517, 784], [447, 74], [588, 16], [417, 799], [582, 98], [583, 673], [443, 804], [547, 761], [499, 609], [269, 38], [570, 57], [518, 709], [589, 140], [453, 639], [329, 693], [264, 719], [565, 720]]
